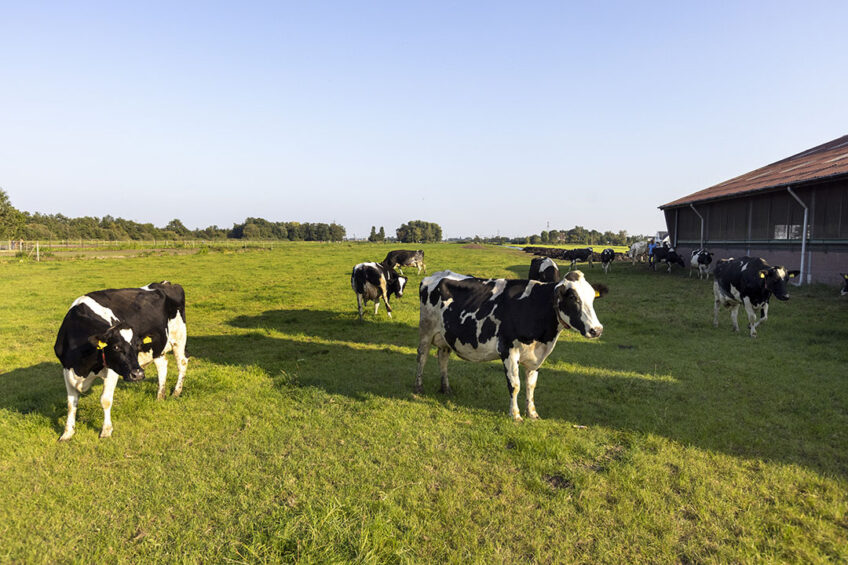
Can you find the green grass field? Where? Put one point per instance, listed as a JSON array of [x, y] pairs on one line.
[[298, 437]]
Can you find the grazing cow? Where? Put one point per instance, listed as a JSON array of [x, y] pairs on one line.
[[372, 281], [544, 269], [749, 281], [405, 258], [575, 255], [516, 321], [668, 256], [638, 250], [844, 290], [701, 259], [116, 333], [607, 257]]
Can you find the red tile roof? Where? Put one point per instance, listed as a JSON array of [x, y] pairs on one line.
[[827, 160]]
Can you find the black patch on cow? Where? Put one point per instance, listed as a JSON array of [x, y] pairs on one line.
[[572, 276], [487, 330], [571, 306]]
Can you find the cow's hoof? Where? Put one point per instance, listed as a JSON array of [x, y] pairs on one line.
[[106, 432], [517, 418], [446, 390], [418, 389], [533, 415], [66, 436], [177, 393], [160, 395]]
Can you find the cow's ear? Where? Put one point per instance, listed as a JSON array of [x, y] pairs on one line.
[[763, 273], [97, 341], [792, 274], [600, 290]]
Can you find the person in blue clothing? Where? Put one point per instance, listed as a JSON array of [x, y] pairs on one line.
[[651, 245]]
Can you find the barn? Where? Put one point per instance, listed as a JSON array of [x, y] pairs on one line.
[[793, 212]]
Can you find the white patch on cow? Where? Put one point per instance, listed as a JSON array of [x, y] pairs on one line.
[[433, 280], [780, 272], [127, 334], [528, 289], [145, 358], [744, 266], [97, 308], [498, 288]]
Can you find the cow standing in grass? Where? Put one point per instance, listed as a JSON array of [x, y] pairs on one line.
[[516, 321], [115, 333], [373, 281], [607, 257], [405, 258], [748, 281]]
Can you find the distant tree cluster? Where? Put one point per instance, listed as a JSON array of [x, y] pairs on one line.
[[418, 231], [578, 234], [377, 236], [24, 225]]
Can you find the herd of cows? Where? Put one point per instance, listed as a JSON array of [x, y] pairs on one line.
[[115, 333]]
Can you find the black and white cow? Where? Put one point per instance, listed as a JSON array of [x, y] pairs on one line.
[[575, 255], [607, 257], [516, 321], [748, 281], [844, 290], [116, 333], [700, 261], [405, 258], [372, 281], [668, 256], [544, 269]]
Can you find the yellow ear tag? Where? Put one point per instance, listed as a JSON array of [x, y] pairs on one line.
[[148, 339], [791, 275], [762, 275], [597, 294], [101, 345]]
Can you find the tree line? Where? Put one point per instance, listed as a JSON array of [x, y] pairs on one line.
[[15, 224]]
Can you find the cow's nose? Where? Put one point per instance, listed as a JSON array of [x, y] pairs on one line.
[[137, 375], [596, 332]]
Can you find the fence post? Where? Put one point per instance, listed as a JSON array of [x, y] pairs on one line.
[[37, 252]]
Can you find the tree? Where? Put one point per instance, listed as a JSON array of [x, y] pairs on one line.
[[418, 231], [372, 237], [11, 220], [382, 235]]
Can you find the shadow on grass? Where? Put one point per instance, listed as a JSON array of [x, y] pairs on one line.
[[747, 420], [38, 389]]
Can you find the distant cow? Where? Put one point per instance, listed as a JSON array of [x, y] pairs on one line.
[[372, 281], [544, 269], [700, 261], [607, 257], [668, 256], [639, 250], [748, 281], [405, 258], [116, 333], [575, 255], [516, 321]]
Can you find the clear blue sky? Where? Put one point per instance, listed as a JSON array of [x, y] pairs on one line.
[[485, 117]]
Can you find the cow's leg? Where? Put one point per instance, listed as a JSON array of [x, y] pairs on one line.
[[734, 316], [717, 304], [73, 402], [532, 375], [359, 302], [106, 402], [182, 363], [162, 373], [423, 353], [444, 357], [753, 321], [385, 295], [178, 336], [513, 384]]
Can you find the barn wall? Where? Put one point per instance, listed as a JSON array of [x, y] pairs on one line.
[[770, 225]]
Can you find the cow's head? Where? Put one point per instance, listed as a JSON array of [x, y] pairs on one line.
[[118, 348], [775, 279], [574, 302], [705, 258], [396, 285], [844, 284]]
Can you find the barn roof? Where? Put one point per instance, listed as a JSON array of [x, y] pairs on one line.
[[826, 160]]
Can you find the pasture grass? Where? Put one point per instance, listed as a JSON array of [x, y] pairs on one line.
[[298, 437]]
